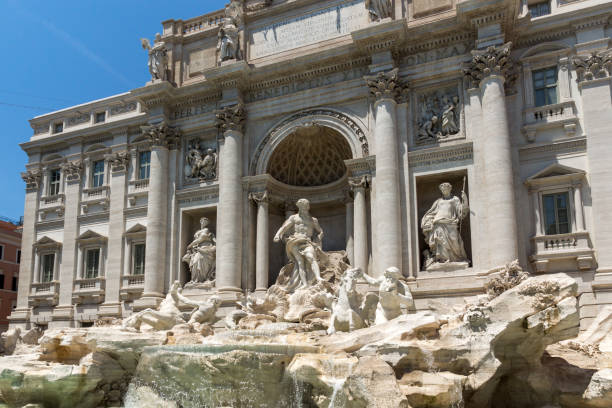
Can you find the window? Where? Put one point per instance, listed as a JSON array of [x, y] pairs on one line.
[[556, 213], [1, 252], [100, 117], [58, 127], [539, 9], [545, 86], [97, 178], [138, 259], [92, 263], [54, 182], [19, 256], [47, 268], [144, 165], [14, 284], [87, 324], [1, 281]]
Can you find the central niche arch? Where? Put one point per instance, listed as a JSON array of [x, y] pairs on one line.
[[310, 156]]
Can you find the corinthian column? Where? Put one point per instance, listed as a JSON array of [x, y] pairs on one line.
[[360, 222], [489, 70], [230, 121], [162, 137], [262, 257], [386, 89]]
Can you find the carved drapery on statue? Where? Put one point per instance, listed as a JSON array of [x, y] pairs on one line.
[[200, 162], [441, 227], [158, 58], [386, 85], [439, 115], [201, 254], [72, 170], [228, 46], [231, 118], [593, 66], [161, 135], [379, 9], [491, 61], [303, 239]]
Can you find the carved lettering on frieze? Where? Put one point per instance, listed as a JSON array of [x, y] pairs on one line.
[[231, 118], [593, 66], [161, 135], [435, 55], [491, 61]]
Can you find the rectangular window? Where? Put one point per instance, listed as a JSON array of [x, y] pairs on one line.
[[139, 259], [15, 283], [2, 281], [556, 213], [19, 256], [54, 182], [47, 268], [1, 252], [545, 86], [58, 127], [100, 117], [539, 9], [92, 263], [97, 176], [144, 165]]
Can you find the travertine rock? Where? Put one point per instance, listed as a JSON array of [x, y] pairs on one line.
[[8, 341], [433, 390]]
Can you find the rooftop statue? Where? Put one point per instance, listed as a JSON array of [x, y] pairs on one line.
[[201, 254], [303, 237], [229, 33], [379, 9], [441, 227], [158, 57]]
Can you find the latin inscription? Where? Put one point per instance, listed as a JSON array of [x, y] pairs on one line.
[[308, 29], [434, 55], [198, 199], [192, 111]]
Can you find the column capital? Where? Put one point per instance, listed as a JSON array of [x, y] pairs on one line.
[[386, 85], [360, 182], [32, 179], [488, 62], [118, 161], [72, 170], [260, 197], [231, 117], [161, 135], [593, 66]]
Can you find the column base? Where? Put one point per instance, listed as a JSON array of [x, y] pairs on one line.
[[65, 312], [19, 318], [148, 301], [110, 310]]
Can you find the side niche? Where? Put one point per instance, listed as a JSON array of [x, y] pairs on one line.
[[200, 161], [438, 115]]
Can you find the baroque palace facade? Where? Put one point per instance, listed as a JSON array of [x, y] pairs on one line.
[[362, 107]]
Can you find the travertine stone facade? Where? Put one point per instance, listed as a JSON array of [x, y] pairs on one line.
[[361, 107]]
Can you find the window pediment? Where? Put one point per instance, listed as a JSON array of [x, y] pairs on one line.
[[555, 174], [91, 236], [46, 242]]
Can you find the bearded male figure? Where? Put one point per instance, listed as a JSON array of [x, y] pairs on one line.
[[302, 246]]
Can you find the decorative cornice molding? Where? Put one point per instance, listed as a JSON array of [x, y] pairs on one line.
[[431, 157], [594, 66], [72, 170], [488, 19], [32, 179], [563, 147], [491, 61], [161, 135], [231, 118], [386, 85]]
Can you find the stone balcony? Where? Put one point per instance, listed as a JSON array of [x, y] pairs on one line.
[[138, 190], [575, 247], [132, 286], [44, 294], [559, 115], [88, 290], [52, 204], [96, 198]]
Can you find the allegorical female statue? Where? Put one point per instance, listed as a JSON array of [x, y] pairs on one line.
[[441, 229], [201, 254], [158, 57]]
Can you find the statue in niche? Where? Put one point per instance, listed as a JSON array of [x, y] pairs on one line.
[[439, 117], [228, 45], [200, 164], [442, 230], [379, 9], [392, 294], [158, 57], [303, 247], [201, 254]]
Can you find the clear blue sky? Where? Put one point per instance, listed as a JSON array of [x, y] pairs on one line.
[[59, 53]]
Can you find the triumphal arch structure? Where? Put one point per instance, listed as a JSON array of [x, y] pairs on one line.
[[441, 139]]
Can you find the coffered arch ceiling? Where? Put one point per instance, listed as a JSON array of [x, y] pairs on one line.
[[311, 156]]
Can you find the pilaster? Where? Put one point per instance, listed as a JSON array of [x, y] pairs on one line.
[[262, 257]]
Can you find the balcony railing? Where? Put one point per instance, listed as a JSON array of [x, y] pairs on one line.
[[574, 245], [46, 293], [561, 115], [90, 289], [132, 286]]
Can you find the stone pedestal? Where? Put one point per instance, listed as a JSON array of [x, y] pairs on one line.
[[229, 213]]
